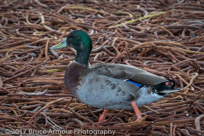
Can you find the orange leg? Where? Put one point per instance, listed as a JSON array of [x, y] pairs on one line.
[[102, 117], [137, 111]]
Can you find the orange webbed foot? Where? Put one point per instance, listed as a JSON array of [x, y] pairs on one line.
[[137, 112], [103, 116]]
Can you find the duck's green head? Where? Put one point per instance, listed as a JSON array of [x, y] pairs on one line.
[[81, 42]]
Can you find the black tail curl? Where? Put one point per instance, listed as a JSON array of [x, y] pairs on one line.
[[162, 88]]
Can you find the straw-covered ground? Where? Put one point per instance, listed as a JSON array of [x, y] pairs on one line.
[[164, 37]]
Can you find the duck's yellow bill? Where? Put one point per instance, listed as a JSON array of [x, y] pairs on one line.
[[60, 45]]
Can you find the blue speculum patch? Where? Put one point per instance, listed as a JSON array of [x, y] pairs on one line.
[[137, 84]]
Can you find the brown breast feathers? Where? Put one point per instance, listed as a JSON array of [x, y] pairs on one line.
[[72, 76]]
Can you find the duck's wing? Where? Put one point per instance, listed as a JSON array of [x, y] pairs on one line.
[[121, 71]]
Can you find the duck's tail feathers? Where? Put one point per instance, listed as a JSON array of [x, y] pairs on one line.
[[165, 88], [167, 92]]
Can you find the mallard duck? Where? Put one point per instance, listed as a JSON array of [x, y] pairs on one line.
[[110, 86]]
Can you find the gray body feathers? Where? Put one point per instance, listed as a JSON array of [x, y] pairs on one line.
[[104, 86]]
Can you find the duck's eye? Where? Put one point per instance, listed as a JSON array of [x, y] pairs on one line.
[[78, 39], [71, 36]]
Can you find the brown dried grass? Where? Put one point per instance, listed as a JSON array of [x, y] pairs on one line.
[[168, 43]]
